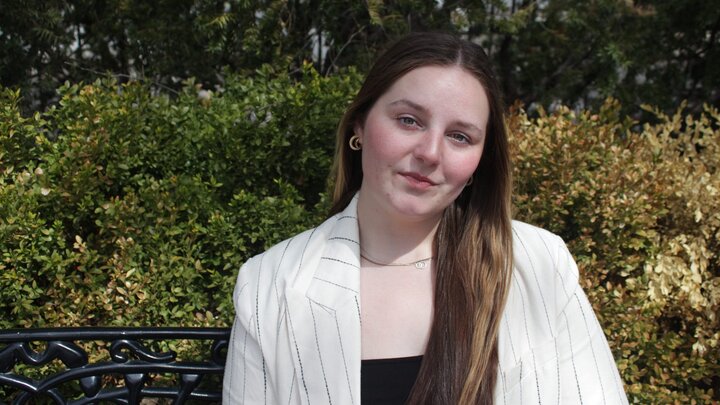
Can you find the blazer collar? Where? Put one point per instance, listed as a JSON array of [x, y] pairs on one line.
[[330, 272], [323, 313]]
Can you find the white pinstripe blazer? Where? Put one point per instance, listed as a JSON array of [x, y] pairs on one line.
[[296, 334]]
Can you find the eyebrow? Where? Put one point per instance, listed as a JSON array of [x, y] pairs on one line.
[[409, 104], [416, 106]]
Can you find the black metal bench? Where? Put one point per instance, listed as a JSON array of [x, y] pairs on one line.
[[129, 376]]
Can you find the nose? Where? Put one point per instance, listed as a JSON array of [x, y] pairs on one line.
[[428, 148]]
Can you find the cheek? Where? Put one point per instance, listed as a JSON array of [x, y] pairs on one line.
[[462, 168], [375, 134], [380, 147], [375, 158]]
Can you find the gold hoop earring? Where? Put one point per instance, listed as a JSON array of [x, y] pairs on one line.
[[355, 142], [469, 182]]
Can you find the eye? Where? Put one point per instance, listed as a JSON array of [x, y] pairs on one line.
[[459, 137], [408, 121]]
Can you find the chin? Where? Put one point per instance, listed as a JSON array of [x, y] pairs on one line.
[[411, 208]]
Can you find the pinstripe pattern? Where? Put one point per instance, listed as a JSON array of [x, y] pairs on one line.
[[357, 305], [504, 387], [299, 359], [245, 337], [535, 276], [339, 261], [319, 351], [258, 335], [521, 370], [345, 365], [335, 284], [537, 381], [510, 340], [592, 350], [292, 385], [296, 335], [557, 369], [278, 294], [577, 380]]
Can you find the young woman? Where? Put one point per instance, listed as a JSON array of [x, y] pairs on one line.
[[419, 288]]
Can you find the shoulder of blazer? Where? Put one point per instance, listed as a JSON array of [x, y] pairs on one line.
[[545, 275], [290, 263], [542, 267], [536, 247], [533, 234]]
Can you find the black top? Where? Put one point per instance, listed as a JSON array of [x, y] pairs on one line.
[[388, 381]]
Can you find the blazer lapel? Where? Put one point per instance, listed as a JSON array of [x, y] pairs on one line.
[[323, 311]]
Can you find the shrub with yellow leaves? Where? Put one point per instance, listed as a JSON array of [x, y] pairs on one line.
[[640, 209]]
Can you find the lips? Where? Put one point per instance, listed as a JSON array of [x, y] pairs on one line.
[[417, 180]]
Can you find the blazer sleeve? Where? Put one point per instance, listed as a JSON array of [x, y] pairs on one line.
[[586, 367], [551, 346], [246, 377]]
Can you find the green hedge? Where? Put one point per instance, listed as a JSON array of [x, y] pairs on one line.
[[118, 207], [123, 207]]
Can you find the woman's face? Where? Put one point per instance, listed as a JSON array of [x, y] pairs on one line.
[[421, 142]]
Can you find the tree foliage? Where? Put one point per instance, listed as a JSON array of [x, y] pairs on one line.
[[547, 52]]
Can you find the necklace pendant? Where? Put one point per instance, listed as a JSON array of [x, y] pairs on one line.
[[421, 264]]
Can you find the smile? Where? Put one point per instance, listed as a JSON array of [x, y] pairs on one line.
[[417, 180]]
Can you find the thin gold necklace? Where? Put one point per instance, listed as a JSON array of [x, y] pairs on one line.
[[419, 264]]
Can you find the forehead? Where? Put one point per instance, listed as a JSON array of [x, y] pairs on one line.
[[450, 90]]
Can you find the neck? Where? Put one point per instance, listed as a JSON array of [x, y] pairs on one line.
[[390, 239]]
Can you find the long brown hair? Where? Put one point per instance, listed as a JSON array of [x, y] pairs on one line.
[[474, 237]]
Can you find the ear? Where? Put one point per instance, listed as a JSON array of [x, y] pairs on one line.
[[358, 130]]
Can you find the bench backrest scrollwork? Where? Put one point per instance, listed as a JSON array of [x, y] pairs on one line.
[[131, 362]]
